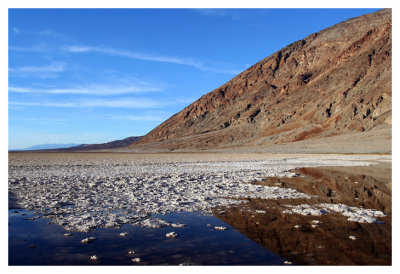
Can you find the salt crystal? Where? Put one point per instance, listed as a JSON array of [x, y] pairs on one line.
[[136, 260], [88, 240], [171, 235], [93, 257]]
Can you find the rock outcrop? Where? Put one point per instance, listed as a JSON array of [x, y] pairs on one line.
[[334, 82]]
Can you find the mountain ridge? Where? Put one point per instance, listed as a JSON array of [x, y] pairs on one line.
[[334, 82], [109, 145], [116, 144]]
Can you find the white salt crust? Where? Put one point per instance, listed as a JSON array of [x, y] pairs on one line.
[[354, 214], [82, 195]]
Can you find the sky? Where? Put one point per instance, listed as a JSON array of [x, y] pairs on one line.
[[98, 75]]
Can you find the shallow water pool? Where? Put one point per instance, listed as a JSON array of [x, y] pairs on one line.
[[36, 242]]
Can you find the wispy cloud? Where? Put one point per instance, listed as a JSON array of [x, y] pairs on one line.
[[146, 57], [40, 120], [34, 48], [136, 103], [49, 71], [93, 89], [42, 104], [53, 67]]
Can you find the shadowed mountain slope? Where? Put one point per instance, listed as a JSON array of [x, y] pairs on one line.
[[117, 144], [334, 82], [110, 145]]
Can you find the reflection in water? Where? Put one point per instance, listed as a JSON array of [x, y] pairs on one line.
[[34, 242], [328, 239]]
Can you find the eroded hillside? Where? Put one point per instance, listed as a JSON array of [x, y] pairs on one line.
[[333, 82]]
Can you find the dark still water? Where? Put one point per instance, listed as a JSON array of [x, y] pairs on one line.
[[36, 242]]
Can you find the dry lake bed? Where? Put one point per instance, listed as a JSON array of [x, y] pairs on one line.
[[199, 209]]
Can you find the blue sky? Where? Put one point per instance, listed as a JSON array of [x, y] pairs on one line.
[[97, 75]]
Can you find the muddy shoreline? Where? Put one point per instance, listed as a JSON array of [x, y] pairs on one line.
[[329, 239]]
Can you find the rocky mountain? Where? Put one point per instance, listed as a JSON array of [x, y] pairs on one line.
[[334, 82]]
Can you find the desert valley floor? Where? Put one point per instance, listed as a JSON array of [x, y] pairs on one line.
[[249, 209]]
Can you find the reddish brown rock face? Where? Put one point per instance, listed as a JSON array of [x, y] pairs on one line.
[[334, 82]]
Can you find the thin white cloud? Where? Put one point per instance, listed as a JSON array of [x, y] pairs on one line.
[[53, 67], [146, 57], [42, 104], [93, 89], [42, 72], [35, 48], [133, 55], [137, 103], [40, 120]]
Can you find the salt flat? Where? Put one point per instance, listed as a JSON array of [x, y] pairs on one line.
[[82, 191]]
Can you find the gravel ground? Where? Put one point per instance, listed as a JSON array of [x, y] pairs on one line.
[[82, 191]]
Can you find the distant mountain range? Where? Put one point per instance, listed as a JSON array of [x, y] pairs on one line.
[[110, 145], [49, 146], [84, 147]]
